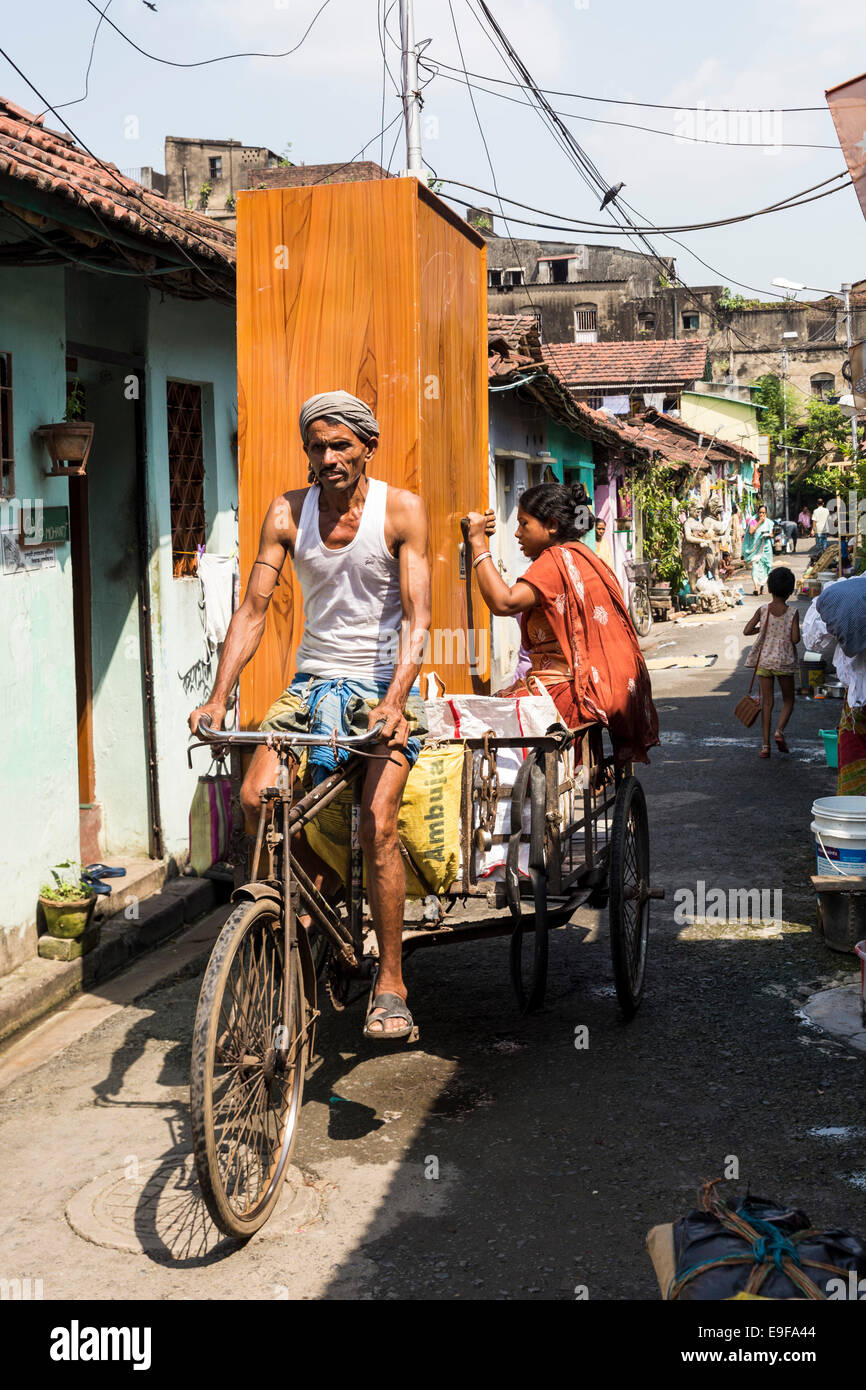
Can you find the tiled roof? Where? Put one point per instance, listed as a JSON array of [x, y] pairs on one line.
[[659, 363], [515, 356], [46, 162], [512, 328], [680, 443]]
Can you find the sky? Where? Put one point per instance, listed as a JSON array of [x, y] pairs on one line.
[[326, 98]]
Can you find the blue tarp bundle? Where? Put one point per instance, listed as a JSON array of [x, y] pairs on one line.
[[842, 606]]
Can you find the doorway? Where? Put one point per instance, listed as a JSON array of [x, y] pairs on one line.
[[113, 766]]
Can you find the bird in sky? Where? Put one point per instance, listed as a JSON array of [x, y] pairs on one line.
[[610, 195]]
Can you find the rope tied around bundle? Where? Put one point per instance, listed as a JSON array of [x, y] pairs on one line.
[[768, 1249]]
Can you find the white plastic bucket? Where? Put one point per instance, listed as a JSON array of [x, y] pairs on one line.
[[839, 827]]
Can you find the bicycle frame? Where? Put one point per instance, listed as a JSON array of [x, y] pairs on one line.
[[293, 816]]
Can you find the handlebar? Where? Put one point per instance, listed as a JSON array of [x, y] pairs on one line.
[[250, 737]]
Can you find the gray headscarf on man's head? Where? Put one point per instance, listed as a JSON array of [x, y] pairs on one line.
[[341, 408]]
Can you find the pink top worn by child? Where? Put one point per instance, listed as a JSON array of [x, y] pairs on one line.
[[773, 647]]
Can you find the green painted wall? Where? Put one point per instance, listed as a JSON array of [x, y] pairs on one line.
[[187, 342], [39, 785], [40, 311], [574, 460]]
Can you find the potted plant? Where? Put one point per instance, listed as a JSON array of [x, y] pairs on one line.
[[67, 903], [68, 442]]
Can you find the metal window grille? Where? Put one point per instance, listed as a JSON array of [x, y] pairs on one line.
[[586, 320], [7, 462], [186, 475]]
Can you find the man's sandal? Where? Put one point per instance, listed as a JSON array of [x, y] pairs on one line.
[[387, 1006]]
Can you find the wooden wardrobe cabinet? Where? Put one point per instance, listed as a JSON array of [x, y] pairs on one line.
[[377, 288]]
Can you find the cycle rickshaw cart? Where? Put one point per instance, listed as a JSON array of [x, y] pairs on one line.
[[574, 830]]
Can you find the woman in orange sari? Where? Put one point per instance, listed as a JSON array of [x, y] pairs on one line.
[[574, 622]]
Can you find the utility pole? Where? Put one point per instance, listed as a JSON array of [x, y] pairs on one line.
[[411, 93], [785, 419], [855, 444], [846, 295]]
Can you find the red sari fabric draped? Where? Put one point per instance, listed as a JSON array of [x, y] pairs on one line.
[[584, 606]]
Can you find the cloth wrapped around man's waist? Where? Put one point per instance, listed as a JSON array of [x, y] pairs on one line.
[[317, 705]]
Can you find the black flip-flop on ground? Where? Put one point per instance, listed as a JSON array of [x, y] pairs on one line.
[[387, 1006]]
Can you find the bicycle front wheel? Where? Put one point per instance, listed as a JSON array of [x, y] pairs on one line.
[[247, 1070], [640, 609]]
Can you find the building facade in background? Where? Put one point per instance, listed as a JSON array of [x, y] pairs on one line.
[[117, 304], [206, 175], [586, 293]]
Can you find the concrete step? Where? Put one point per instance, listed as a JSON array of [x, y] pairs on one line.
[[136, 926], [144, 877]]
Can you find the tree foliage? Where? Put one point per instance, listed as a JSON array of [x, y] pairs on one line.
[[826, 430], [778, 411], [654, 491]]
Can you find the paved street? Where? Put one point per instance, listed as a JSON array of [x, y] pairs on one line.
[[552, 1161]]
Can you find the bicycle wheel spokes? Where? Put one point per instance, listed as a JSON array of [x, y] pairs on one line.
[[249, 1104]]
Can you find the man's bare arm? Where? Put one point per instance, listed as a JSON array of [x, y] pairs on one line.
[[412, 529], [248, 622]]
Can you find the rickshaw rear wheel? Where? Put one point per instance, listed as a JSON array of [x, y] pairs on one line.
[[529, 973], [629, 908]]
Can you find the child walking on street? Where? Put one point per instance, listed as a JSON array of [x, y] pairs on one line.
[[775, 653]]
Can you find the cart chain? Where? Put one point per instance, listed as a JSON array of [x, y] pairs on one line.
[[488, 786]]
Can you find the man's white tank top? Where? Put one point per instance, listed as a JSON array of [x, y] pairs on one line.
[[352, 607]]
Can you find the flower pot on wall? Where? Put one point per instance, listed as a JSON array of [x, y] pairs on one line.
[[69, 919], [68, 444]]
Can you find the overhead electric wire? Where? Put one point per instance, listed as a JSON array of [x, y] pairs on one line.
[[205, 62], [489, 158], [336, 169], [564, 223], [381, 21], [585, 167], [650, 105], [630, 125], [122, 183], [394, 146], [77, 100]]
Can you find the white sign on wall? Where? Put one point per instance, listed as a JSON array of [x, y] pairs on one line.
[[17, 560]]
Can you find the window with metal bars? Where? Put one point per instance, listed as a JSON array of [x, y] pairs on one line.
[[7, 450], [186, 475], [586, 323]]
